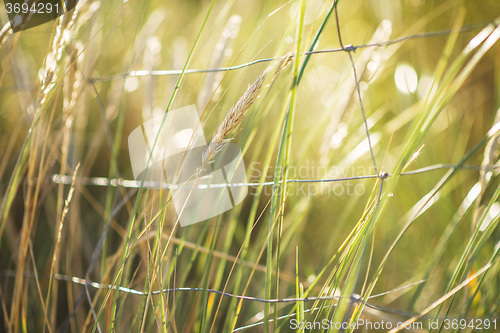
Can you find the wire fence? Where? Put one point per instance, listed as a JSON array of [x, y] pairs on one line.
[[382, 176]]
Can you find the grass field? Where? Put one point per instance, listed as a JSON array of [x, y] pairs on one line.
[[369, 133]]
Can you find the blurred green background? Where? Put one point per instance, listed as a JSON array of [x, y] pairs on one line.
[[69, 95]]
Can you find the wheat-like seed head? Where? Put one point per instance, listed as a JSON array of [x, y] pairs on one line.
[[237, 113]]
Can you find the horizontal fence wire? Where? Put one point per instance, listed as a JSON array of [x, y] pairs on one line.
[[127, 183], [97, 285], [354, 298], [346, 48]]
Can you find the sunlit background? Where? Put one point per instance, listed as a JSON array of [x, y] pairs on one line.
[[71, 96]]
